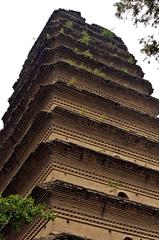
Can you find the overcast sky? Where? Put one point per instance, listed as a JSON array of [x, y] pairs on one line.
[[21, 21]]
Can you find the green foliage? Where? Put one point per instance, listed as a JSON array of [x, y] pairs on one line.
[[143, 12], [82, 66], [68, 24], [103, 117], [99, 73], [72, 81], [16, 210], [131, 60], [110, 63], [76, 50], [114, 184], [150, 47], [96, 71], [87, 53], [125, 70], [1, 237], [85, 38], [112, 46], [69, 61], [107, 33], [83, 112], [61, 30]]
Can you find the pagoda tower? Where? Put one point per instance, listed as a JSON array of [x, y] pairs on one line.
[[81, 135]]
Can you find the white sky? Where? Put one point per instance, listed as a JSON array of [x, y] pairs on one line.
[[21, 21]]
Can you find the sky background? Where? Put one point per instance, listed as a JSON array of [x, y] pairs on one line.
[[21, 21]]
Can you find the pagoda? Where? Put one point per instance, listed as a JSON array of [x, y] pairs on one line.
[[81, 135]]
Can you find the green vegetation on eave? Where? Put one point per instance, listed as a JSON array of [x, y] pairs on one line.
[[96, 71], [85, 38], [68, 24], [85, 53], [107, 33]]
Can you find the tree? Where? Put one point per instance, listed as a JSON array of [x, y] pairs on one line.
[[16, 210], [147, 13]]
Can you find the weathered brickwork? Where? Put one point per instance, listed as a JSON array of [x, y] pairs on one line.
[[81, 135]]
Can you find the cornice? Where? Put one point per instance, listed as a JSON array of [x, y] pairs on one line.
[[61, 236], [91, 28], [93, 48], [147, 82], [143, 81], [46, 152], [48, 68], [45, 89], [43, 43], [50, 187], [45, 119], [105, 68], [43, 115], [90, 61]]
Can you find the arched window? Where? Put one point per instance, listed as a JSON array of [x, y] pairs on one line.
[[128, 238], [123, 195]]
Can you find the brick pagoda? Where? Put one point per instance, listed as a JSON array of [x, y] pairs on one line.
[[81, 135]]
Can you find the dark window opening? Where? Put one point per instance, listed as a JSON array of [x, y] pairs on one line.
[[123, 195]]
